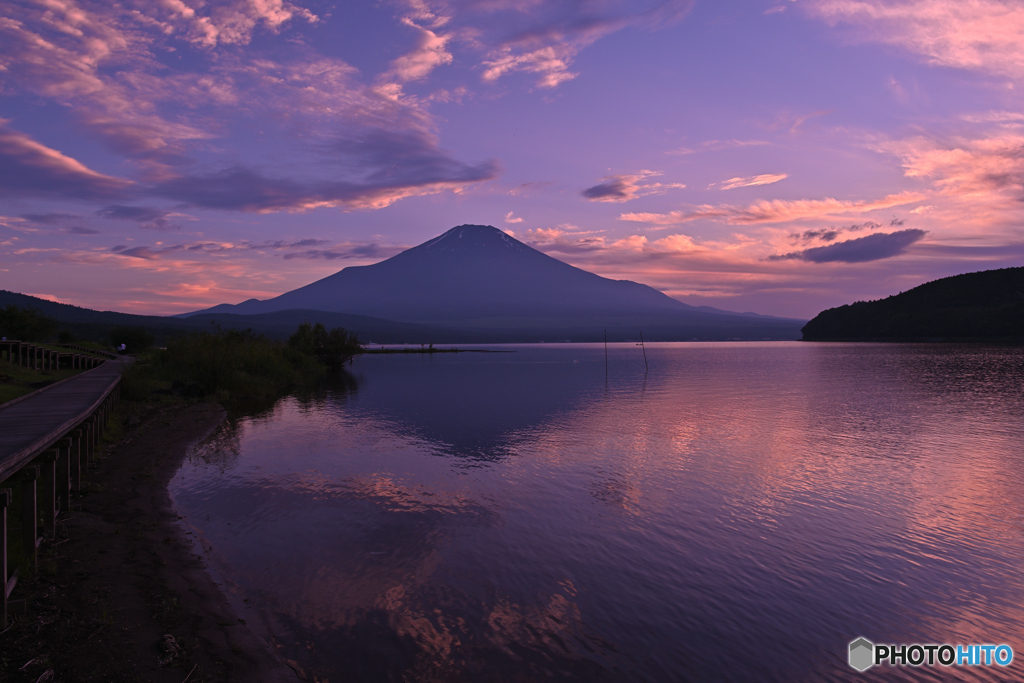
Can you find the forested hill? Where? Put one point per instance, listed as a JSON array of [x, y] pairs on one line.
[[988, 305]]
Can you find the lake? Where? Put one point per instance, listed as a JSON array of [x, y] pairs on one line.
[[736, 511]]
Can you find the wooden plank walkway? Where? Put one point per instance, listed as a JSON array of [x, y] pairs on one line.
[[33, 424], [44, 436]]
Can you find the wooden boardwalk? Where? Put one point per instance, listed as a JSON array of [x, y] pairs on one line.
[[36, 422], [44, 437]]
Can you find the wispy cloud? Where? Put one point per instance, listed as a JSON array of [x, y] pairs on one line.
[[623, 188], [511, 218], [29, 168], [981, 35], [347, 252], [766, 179], [832, 232], [527, 188], [100, 62], [988, 163], [543, 38], [145, 217], [774, 211], [309, 249], [50, 218], [718, 145], [430, 52], [874, 247]]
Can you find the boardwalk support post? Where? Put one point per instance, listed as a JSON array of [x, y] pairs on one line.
[[5, 500], [64, 475], [87, 443], [76, 459], [29, 513], [49, 466]]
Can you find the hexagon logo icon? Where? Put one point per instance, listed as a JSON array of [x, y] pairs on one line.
[[862, 654]]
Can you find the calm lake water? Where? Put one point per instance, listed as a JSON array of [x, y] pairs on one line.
[[741, 511]]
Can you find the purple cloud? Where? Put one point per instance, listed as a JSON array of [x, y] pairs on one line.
[[28, 168], [49, 218], [148, 218], [616, 189], [875, 247], [394, 164], [355, 251], [544, 38]]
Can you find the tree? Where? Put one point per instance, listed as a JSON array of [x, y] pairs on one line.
[[332, 348], [135, 339], [25, 324]]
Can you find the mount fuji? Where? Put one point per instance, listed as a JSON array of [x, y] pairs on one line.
[[476, 277]]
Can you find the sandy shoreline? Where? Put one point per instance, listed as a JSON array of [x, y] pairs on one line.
[[123, 572]]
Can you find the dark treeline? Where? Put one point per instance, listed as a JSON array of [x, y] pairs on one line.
[[235, 366], [25, 324], [230, 365], [29, 324], [987, 305]]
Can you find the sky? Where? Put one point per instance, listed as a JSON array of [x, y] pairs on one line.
[[773, 156]]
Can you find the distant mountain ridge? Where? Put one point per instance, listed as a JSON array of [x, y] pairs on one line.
[[985, 305], [476, 276]]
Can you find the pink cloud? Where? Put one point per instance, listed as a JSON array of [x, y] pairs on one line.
[[429, 53], [766, 179], [773, 211], [991, 164], [231, 23], [983, 35], [542, 38], [718, 145]]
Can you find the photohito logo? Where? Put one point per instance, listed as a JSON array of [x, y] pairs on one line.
[[864, 654]]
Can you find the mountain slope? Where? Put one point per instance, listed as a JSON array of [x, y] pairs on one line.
[[86, 323], [985, 305], [475, 275]]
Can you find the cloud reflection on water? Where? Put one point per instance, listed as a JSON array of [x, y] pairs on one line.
[[779, 498]]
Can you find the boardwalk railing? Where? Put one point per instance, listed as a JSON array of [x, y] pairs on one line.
[[86, 349], [47, 439], [36, 357]]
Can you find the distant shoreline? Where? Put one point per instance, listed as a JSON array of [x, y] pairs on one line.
[[1013, 341], [432, 350]]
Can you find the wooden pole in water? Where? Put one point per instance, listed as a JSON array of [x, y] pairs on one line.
[[606, 354], [644, 349]]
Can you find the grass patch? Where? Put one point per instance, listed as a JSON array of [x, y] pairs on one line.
[[16, 380]]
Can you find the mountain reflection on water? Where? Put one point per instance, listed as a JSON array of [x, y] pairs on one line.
[[739, 512]]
